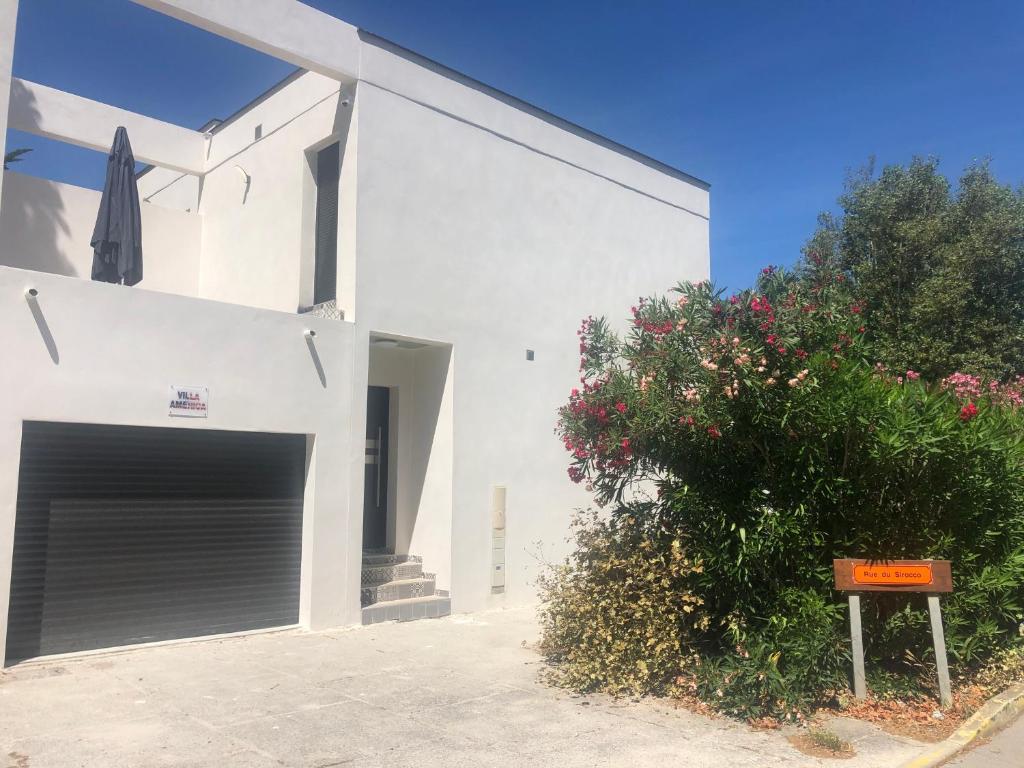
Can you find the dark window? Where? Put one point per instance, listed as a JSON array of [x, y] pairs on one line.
[[325, 277]]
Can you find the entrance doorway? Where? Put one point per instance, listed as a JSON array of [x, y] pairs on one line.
[[375, 482]]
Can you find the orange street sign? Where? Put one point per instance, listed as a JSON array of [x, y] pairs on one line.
[[906, 575], [893, 575]]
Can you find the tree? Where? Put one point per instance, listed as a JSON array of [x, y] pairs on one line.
[[740, 444], [940, 270], [14, 156]]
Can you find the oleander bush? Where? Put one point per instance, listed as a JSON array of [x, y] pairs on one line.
[[736, 446], [617, 614]]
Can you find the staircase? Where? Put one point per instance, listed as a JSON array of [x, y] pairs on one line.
[[395, 588]]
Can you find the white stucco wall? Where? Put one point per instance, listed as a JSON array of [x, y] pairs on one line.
[[474, 223], [105, 354], [497, 244], [46, 225]]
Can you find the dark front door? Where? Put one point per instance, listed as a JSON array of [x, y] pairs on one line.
[[375, 487]]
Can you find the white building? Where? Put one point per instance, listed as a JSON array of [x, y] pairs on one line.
[[452, 237]]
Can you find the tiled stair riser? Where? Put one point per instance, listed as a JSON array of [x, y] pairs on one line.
[[374, 560], [384, 573], [402, 590], [395, 588], [408, 610]]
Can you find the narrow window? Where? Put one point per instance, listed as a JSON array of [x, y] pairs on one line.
[[325, 276]]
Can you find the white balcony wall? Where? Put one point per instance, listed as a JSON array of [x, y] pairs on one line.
[[256, 242], [170, 189], [46, 225]]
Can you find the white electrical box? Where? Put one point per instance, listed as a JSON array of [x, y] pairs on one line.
[[498, 540]]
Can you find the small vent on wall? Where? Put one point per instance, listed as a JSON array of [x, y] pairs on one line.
[[258, 133], [529, 354]]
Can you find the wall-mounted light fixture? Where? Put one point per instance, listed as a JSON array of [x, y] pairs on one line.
[[31, 293], [309, 333], [344, 98]]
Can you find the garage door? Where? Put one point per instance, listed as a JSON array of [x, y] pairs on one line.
[[130, 534]]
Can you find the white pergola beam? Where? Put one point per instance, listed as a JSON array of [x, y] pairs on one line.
[[8, 24], [285, 29], [55, 114]]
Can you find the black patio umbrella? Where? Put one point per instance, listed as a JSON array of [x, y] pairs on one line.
[[117, 238]]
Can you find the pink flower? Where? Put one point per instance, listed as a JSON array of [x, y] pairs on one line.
[[620, 407], [713, 432], [968, 412], [965, 386], [913, 375]]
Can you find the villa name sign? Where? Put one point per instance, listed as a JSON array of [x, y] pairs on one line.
[[191, 402], [932, 577]]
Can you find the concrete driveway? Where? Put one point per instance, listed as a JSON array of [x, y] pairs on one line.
[[459, 691]]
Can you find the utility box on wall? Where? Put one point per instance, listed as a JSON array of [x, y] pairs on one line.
[[498, 540]]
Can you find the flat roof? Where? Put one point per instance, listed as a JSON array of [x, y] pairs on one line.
[[214, 124], [534, 110]]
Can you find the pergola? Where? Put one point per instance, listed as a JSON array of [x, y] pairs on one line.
[[285, 29]]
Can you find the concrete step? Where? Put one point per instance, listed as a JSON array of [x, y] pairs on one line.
[[379, 574], [400, 589], [410, 609]]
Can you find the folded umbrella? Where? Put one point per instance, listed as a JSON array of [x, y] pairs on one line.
[[117, 239]]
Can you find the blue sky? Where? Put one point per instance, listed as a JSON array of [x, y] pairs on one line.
[[772, 103]]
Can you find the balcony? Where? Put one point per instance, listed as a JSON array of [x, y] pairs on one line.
[[229, 213]]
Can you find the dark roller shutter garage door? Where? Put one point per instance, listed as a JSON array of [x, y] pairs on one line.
[[133, 534]]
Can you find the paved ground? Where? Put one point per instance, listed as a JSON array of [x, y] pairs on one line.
[[445, 692], [1005, 749]]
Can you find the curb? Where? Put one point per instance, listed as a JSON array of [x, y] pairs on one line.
[[995, 713]]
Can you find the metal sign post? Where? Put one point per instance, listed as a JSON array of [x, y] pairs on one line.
[[932, 577], [941, 664]]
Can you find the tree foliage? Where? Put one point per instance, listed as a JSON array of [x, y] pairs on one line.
[[14, 156], [755, 435], [940, 270]]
